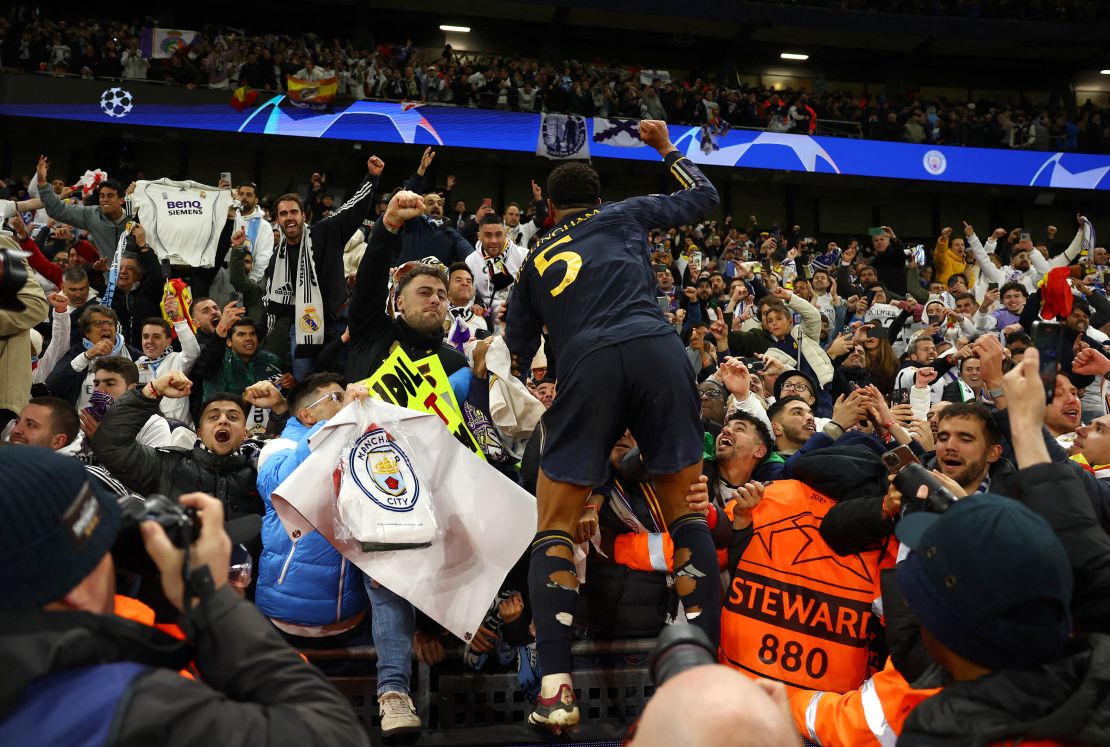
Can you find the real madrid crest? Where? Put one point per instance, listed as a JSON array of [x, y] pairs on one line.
[[310, 321]]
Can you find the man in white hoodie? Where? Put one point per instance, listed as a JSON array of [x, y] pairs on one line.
[[495, 265], [260, 236]]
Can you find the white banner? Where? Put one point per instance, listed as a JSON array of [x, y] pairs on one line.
[[620, 133], [488, 520], [163, 43], [563, 136]]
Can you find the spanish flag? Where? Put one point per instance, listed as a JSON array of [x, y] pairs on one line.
[[243, 97], [179, 289], [315, 94]]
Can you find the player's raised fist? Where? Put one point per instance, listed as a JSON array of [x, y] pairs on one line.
[[654, 133]]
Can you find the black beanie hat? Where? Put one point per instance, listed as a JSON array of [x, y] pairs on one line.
[[56, 524]]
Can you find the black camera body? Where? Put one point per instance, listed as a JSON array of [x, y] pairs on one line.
[[180, 523]]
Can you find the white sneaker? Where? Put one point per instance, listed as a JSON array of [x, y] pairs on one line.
[[398, 714]]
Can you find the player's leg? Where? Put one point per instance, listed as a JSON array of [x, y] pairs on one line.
[[666, 422], [553, 586], [579, 433]]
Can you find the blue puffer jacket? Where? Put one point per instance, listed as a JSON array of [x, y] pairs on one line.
[[305, 582]]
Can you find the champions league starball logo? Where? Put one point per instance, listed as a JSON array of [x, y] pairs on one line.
[[383, 472], [116, 102]]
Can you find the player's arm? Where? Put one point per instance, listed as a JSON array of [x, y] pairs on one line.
[[696, 195], [523, 327]]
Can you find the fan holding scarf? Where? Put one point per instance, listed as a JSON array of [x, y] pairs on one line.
[[305, 287]]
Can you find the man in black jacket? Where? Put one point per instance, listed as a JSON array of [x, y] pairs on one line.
[[220, 463], [138, 293], [305, 294], [420, 299], [72, 665]]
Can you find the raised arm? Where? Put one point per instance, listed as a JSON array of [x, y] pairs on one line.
[[367, 312], [75, 215], [1068, 256], [990, 272], [116, 442], [695, 198], [350, 215]]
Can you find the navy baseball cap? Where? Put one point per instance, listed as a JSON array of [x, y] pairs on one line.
[[988, 579]]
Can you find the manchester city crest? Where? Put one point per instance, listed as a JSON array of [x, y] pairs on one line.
[[383, 472]]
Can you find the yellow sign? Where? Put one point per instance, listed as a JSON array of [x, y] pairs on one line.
[[421, 385]]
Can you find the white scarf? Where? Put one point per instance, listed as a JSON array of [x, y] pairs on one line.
[[299, 289]]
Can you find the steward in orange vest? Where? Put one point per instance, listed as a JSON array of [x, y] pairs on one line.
[[990, 584], [795, 611]]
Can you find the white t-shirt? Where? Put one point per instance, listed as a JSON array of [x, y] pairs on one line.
[[182, 220]]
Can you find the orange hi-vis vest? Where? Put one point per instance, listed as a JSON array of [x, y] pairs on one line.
[[872, 716], [135, 611], [654, 551], [796, 611]]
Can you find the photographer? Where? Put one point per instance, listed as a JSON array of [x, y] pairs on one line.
[[74, 667], [24, 308]]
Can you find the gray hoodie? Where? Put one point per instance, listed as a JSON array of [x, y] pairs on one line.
[[104, 231]]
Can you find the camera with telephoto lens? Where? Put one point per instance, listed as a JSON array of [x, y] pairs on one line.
[[678, 648], [13, 276], [909, 481]]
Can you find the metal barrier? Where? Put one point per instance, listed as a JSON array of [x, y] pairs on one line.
[[462, 707], [839, 128]]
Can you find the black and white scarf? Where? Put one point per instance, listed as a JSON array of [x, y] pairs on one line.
[[297, 288]]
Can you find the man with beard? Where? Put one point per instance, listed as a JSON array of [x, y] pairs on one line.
[[420, 298], [305, 284], [743, 444], [522, 233], [465, 317], [969, 451], [494, 265], [1065, 413], [431, 236], [792, 423], [259, 238], [699, 303]]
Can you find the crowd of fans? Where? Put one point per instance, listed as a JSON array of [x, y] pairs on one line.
[[814, 363], [227, 59]]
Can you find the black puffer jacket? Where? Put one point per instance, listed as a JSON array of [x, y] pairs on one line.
[[1067, 701], [172, 471], [107, 676], [373, 331]]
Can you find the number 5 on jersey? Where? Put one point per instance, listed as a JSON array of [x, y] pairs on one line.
[[573, 261]]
